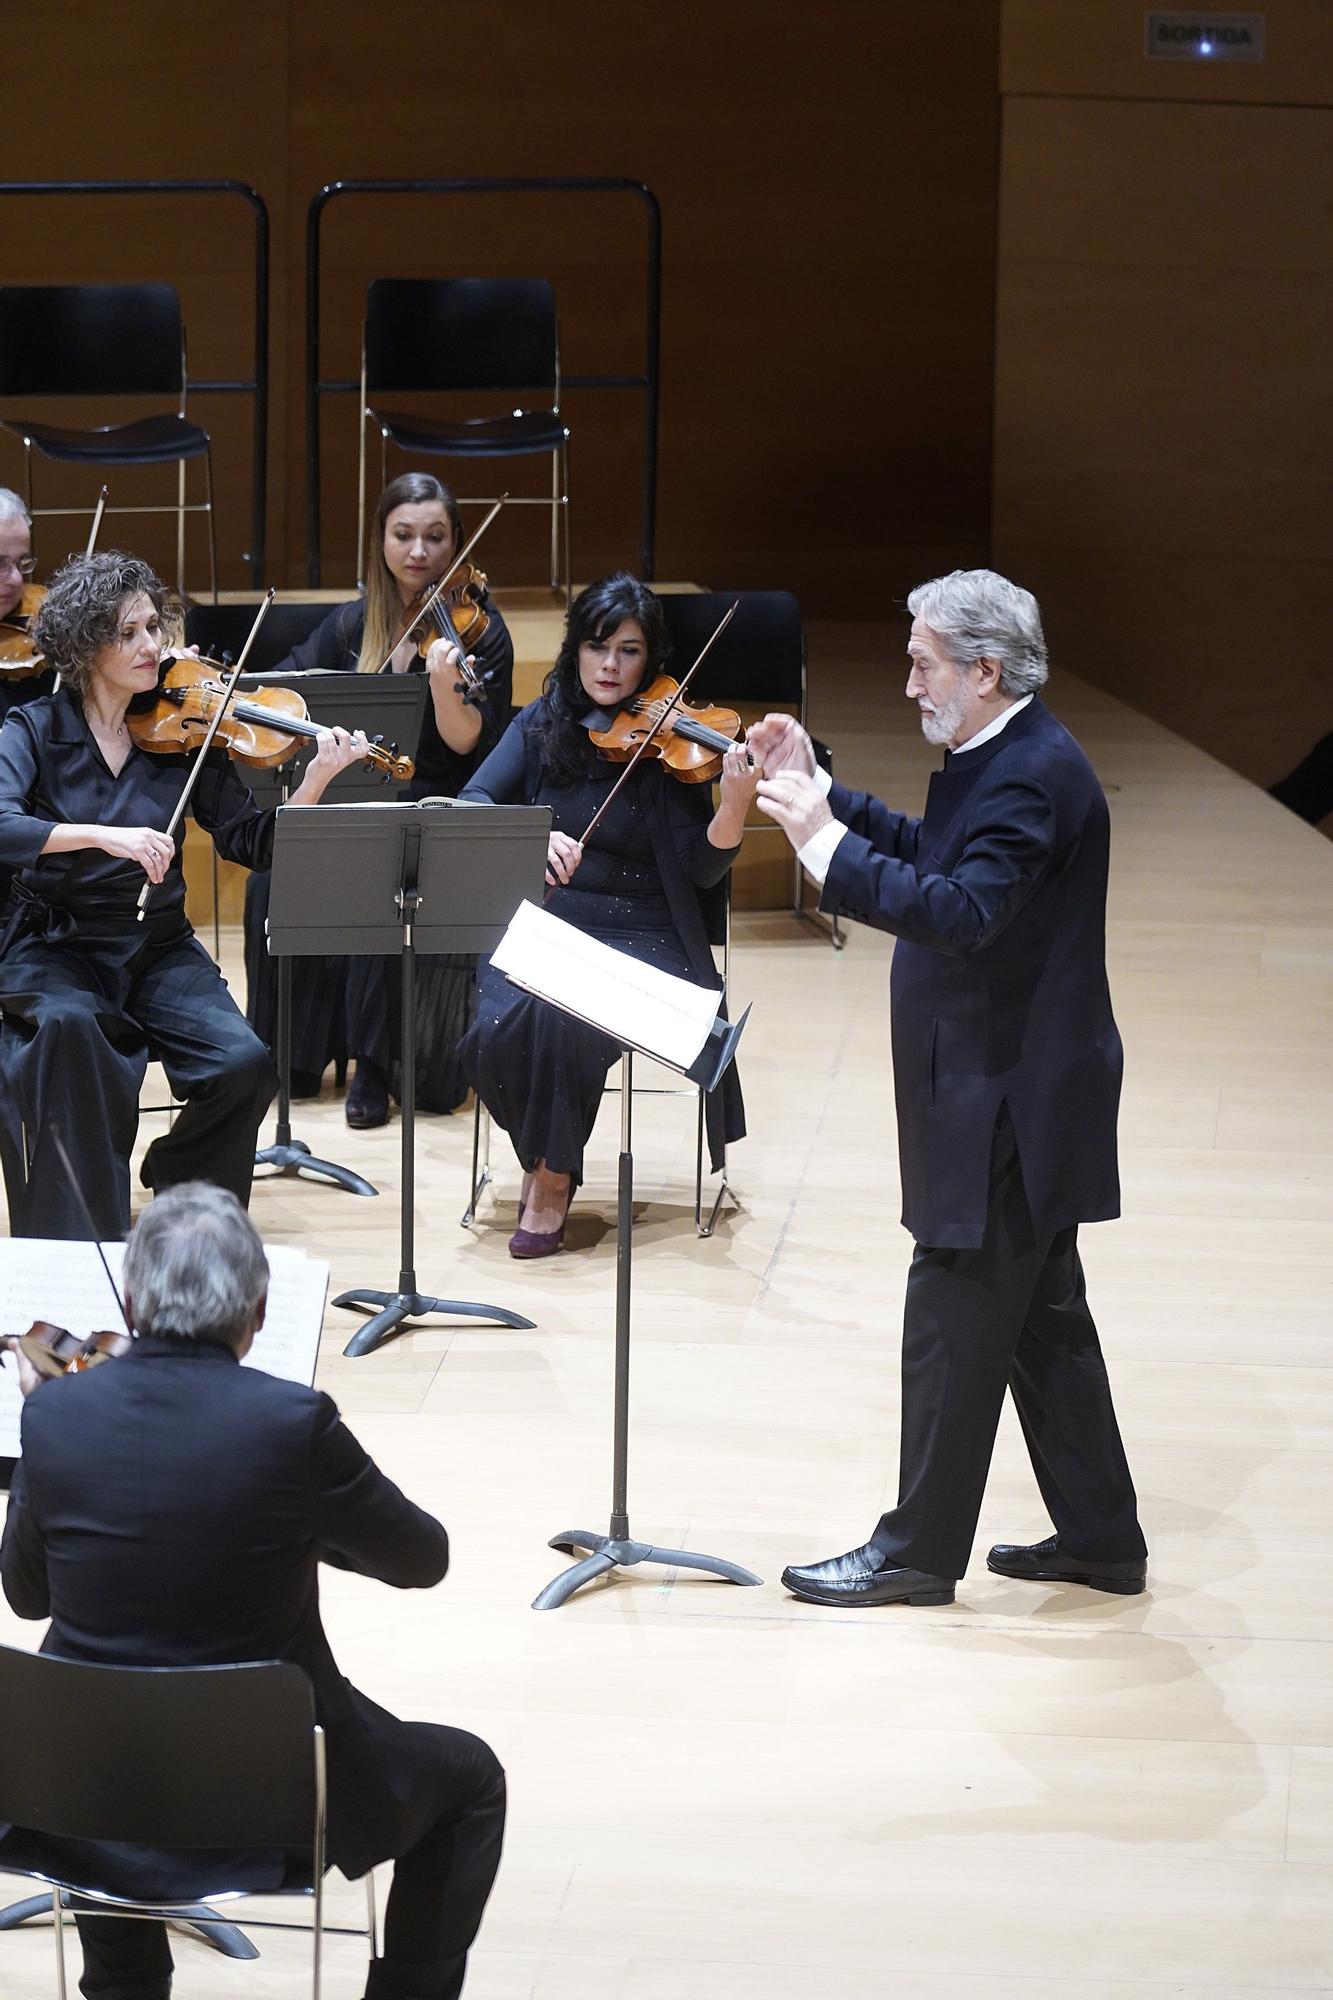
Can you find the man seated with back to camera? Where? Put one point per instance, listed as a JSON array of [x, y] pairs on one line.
[[170, 1509]]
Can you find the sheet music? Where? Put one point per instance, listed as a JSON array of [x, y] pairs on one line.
[[633, 1002], [63, 1282]]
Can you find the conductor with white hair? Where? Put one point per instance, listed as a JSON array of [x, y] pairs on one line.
[[1007, 1067]]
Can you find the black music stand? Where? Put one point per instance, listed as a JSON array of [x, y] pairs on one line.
[[379, 879], [617, 1549], [388, 706]]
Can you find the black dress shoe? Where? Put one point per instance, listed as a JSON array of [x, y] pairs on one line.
[[863, 1577], [367, 1102], [1046, 1562]]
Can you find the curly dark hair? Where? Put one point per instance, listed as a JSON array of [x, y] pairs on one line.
[[594, 614], [83, 606]]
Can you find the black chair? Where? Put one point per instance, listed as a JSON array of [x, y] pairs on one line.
[[466, 335], [105, 340], [165, 1757], [220, 630], [759, 659]]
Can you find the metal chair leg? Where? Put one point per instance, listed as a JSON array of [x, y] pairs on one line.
[[180, 527], [564, 487], [361, 474], [212, 521], [58, 1926], [481, 1160]]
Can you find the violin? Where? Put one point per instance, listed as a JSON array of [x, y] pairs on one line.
[[19, 657], [691, 743], [457, 614], [262, 729], [53, 1350]]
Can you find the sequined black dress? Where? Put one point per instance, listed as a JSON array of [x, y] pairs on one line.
[[649, 884]]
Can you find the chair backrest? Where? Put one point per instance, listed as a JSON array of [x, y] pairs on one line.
[[460, 333], [224, 628], [158, 1756], [761, 655], [90, 340]]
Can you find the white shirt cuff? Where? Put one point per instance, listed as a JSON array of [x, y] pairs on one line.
[[817, 854]]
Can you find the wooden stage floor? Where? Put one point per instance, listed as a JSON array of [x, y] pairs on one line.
[[722, 1794]]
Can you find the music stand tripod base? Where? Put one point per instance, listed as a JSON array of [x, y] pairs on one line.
[[606, 1552], [293, 1158], [393, 1309]]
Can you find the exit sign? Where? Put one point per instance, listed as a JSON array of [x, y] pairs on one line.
[[1193, 37]]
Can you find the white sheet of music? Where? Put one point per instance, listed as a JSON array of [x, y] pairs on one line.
[[633, 1002], [65, 1283]]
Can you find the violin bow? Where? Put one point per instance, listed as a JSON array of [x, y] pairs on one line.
[[667, 707], [228, 690], [89, 1224], [97, 520], [429, 604]]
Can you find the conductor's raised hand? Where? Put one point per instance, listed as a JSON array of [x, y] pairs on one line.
[[796, 802], [563, 856], [152, 849], [779, 743]]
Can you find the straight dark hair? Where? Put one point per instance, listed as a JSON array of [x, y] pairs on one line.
[[595, 613]]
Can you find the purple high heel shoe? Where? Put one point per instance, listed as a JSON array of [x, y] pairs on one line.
[[541, 1242]]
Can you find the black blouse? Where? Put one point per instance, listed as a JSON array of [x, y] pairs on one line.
[[334, 647], [52, 773]]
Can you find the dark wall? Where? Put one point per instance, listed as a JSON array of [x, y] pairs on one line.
[[828, 186]]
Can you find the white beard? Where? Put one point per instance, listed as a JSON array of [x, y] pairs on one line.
[[945, 723]]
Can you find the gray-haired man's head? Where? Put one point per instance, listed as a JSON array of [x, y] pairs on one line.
[[195, 1268], [976, 647]]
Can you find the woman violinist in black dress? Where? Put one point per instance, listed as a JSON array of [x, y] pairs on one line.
[[86, 988], [640, 885], [413, 538]]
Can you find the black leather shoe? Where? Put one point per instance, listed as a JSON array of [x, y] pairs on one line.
[[367, 1102], [1046, 1562], [863, 1577]]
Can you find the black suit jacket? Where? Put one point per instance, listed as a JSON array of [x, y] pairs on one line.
[[997, 897], [171, 1509]]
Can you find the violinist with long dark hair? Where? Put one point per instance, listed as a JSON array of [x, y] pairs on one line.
[[87, 989], [656, 859], [413, 538]]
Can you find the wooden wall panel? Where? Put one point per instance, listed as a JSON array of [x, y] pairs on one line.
[[828, 189], [1164, 427], [146, 89], [1094, 48]]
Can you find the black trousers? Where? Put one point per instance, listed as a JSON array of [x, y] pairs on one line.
[[80, 1019], [441, 1880], [1013, 1313]]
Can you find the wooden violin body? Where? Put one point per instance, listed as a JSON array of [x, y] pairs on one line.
[[458, 614], [262, 729], [691, 743], [53, 1350], [19, 658]]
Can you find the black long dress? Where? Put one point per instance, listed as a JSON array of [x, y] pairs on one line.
[[17, 694], [343, 1006], [643, 886], [87, 991]]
